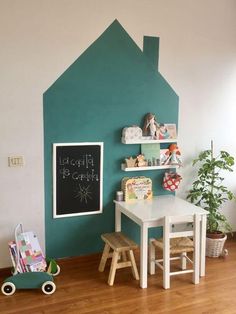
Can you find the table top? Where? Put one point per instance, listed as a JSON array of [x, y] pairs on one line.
[[159, 207]]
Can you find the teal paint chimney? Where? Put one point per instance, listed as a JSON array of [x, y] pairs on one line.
[[151, 49]]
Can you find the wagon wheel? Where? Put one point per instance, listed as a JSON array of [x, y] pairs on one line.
[[48, 287], [8, 288]]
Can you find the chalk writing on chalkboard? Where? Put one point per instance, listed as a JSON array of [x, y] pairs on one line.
[[83, 193], [77, 179]]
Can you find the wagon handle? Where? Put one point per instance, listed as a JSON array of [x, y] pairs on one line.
[[18, 230]]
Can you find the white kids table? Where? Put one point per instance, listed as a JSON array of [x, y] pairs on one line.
[[150, 213]]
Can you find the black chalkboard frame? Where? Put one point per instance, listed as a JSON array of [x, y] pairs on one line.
[[76, 147]]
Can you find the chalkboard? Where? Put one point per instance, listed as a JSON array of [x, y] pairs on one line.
[[77, 179]]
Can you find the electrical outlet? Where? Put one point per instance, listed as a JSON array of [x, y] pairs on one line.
[[15, 161]]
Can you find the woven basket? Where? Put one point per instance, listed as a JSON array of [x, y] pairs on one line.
[[214, 247]]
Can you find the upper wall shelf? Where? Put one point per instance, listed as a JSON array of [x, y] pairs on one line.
[[147, 141]]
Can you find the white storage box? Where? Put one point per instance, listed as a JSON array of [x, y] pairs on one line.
[[132, 133]]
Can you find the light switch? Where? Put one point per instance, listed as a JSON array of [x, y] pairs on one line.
[[15, 161]]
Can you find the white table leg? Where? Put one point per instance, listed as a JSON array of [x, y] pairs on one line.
[[203, 247], [117, 219], [143, 256]]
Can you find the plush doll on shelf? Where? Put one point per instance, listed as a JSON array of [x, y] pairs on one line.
[[141, 162], [173, 155], [151, 127]]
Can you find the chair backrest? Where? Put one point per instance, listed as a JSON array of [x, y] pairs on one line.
[[168, 233], [194, 232]]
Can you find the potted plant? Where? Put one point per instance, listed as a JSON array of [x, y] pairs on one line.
[[209, 193]]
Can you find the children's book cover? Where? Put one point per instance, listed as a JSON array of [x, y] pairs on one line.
[[137, 189], [151, 153], [167, 131], [30, 252]]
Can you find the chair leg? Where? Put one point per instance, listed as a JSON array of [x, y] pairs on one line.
[[152, 257], [115, 257], [183, 261], [166, 275], [166, 257], [133, 263], [196, 256], [124, 257], [104, 257], [196, 269]]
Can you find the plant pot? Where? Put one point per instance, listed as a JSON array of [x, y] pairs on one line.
[[215, 246], [215, 235]]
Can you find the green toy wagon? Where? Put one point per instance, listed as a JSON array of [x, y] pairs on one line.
[[30, 280], [30, 269]]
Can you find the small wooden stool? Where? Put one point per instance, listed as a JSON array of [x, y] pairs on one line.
[[119, 244]]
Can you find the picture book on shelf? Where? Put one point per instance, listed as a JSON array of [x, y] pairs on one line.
[[167, 131]]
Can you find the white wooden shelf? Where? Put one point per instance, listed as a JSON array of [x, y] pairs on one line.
[[144, 140], [148, 168]]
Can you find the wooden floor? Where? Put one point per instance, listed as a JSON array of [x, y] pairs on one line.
[[82, 289]]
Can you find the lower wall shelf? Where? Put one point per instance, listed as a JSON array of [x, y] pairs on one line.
[[148, 168]]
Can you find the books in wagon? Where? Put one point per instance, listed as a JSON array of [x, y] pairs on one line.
[[31, 257]]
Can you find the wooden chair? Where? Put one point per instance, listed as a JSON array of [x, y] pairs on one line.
[[177, 242], [116, 247]]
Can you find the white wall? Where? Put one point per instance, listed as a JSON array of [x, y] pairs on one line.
[[40, 39]]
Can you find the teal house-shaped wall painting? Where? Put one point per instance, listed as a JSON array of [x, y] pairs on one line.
[[113, 84]]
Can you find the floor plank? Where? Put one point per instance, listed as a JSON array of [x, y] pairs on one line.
[[81, 289]]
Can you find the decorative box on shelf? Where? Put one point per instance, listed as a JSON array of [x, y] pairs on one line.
[[132, 133]]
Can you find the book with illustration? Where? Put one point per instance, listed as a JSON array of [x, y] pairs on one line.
[[137, 188], [28, 257]]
